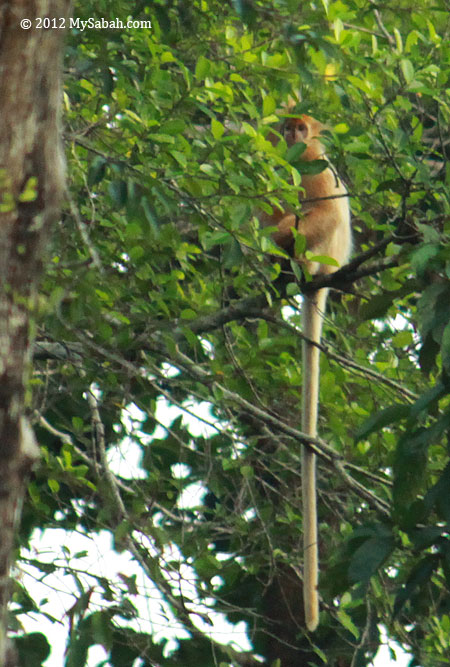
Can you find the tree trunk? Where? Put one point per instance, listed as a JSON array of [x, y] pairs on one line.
[[31, 188]]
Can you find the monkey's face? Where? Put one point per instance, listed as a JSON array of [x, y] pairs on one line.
[[296, 130], [305, 130]]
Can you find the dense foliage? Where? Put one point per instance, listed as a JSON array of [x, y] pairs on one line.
[[162, 290]]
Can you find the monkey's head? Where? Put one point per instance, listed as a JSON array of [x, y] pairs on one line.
[[305, 130]]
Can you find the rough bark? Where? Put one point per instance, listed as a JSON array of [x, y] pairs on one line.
[[31, 188]]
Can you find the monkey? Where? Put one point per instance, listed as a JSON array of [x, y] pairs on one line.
[[324, 221]]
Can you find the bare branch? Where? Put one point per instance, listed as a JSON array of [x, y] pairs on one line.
[[99, 431], [317, 445], [43, 350]]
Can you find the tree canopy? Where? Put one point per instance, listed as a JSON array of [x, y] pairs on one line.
[[161, 289]]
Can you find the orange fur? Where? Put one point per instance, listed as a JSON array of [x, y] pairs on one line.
[[324, 220]]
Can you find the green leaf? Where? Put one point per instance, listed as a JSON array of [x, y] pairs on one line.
[[101, 628], [217, 129], [136, 253], [369, 557], [295, 152], [150, 216], [245, 10], [439, 497], [423, 538], [29, 192], [78, 424], [381, 419], [428, 398], [269, 105], [410, 467], [310, 168], [320, 653], [407, 69], [345, 620], [160, 138], [33, 649], [420, 575], [119, 192], [299, 243], [232, 254], [395, 185], [216, 238], [377, 306], [173, 126], [322, 259], [445, 348], [97, 170], [292, 289], [202, 68], [398, 40], [188, 314], [422, 257], [54, 485]]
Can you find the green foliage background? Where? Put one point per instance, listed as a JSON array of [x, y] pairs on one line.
[[160, 287]]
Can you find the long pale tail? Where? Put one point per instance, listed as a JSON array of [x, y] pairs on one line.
[[312, 317]]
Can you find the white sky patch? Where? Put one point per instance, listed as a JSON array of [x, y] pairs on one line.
[[207, 347], [385, 657], [192, 496], [169, 371], [125, 459], [180, 470], [397, 323]]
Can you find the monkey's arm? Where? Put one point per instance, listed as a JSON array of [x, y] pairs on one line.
[[316, 226]]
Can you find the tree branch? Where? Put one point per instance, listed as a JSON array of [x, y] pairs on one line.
[[252, 306], [345, 361], [317, 445]]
